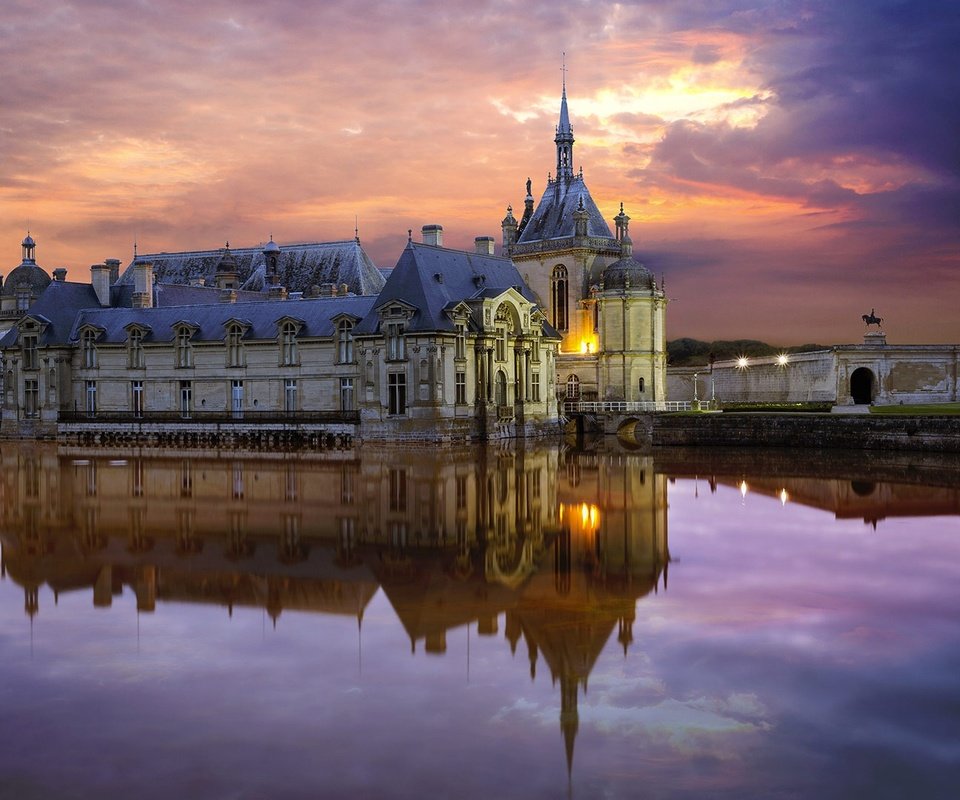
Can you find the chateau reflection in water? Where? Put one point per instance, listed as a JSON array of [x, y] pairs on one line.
[[561, 544]]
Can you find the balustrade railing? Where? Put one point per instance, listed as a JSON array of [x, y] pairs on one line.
[[212, 417], [625, 407]]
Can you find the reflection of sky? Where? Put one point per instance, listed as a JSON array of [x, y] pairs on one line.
[[793, 655]]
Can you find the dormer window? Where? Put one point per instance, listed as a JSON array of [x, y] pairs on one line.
[[396, 344], [288, 344], [88, 349], [135, 349], [23, 300], [29, 343], [184, 346], [234, 345], [345, 342], [461, 344]]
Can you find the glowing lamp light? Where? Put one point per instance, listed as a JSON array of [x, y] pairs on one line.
[[743, 488], [784, 497], [583, 347], [743, 362], [783, 359]]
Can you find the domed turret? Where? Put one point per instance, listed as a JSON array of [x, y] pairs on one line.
[[228, 271], [25, 282], [627, 274]]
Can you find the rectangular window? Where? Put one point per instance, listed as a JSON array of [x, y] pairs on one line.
[[501, 345], [186, 398], [535, 351], [89, 349], [289, 395], [396, 347], [461, 347], [30, 360], [397, 393], [235, 346], [91, 404], [345, 342], [461, 389], [135, 349], [136, 398], [184, 354], [236, 398], [535, 387], [288, 344], [23, 301], [461, 492], [346, 394], [31, 398]]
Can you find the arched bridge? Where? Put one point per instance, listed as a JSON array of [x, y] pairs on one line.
[[612, 415]]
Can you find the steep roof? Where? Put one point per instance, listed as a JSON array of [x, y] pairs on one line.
[[176, 294], [300, 266], [553, 218], [58, 307], [433, 278]]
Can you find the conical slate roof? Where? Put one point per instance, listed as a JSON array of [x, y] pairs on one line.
[[553, 218]]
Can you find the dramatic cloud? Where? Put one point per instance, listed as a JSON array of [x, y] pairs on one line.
[[803, 148]]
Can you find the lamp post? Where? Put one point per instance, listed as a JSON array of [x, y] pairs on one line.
[[696, 399]]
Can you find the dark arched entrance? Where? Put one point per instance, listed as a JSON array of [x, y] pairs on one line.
[[861, 386]]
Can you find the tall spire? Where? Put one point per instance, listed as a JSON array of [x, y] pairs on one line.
[[564, 138]]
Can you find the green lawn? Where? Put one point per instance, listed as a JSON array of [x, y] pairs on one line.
[[927, 409]]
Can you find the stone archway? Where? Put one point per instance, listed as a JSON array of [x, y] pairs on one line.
[[862, 386]]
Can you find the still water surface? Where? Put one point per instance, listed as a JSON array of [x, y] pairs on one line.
[[475, 623]]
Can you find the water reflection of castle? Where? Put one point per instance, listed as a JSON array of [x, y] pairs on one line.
[[561, 544]]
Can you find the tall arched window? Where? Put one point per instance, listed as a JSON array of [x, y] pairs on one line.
[[558, 298], [573, 388]]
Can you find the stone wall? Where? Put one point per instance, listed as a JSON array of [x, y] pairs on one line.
[[854, 432]]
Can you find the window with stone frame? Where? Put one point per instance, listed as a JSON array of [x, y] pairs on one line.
[[460, 349], [31, 398], [135, 349], [290, 395], [460, 387], [396, 393], [347, 401], [234, 345], [396, 343], [345, 342], [88, 349], [29, 342], [288, 344], [535, 387], [184, 346]]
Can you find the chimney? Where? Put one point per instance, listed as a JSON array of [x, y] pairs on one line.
[[143, 284], [100, 278], [60, 274], [328, 290], [344, 290], [114, 264], [484, 245], [277, 293], [201, 281], [432, 235], [228, 295]]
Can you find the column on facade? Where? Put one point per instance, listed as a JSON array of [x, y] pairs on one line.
[[480, 375], [489, 380], [526, 374]]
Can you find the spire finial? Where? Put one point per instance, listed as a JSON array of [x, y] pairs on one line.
[[356, 228], [227, 244], [563, 71], [409, 234]]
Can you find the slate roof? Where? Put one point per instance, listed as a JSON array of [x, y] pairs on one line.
[[262, 317], [65, 307], [27, 275], [300, 266], [175, 294], [553, 218], [434, 279], [58, 306]]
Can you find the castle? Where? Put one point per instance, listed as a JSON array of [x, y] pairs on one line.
[[312, 341]]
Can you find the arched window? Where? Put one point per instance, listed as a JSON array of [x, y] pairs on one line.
[[641, 386], [573, 388], [501, 388], [288, 344], [234, 346], [345, 342], [558, 298]]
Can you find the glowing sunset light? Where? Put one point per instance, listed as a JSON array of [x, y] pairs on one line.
[[770, 155]]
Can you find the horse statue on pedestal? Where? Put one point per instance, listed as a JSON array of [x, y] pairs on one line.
[[871, 318]]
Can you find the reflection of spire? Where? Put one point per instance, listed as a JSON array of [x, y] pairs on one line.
[[569, 717]]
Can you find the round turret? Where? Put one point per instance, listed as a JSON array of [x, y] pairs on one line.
[[627, 274]]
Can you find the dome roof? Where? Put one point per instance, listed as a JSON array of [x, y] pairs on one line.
[[28, 242], [271, 247], [26, 276], [627, 273], [228, 261]]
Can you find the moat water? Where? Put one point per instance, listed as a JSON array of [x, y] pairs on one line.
[[478, 623]]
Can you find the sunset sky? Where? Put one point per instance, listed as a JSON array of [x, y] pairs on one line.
[[787, 165]]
